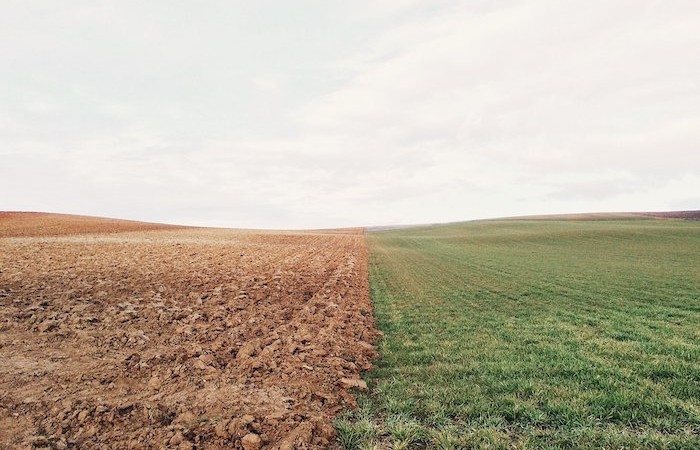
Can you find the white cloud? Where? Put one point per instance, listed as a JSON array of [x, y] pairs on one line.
[[321, 114]]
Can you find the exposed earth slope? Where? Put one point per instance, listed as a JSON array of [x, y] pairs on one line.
[[47, 224]]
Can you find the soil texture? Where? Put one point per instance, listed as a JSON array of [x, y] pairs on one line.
[[182, 338]]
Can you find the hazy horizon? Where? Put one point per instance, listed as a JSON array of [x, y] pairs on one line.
[[276, 115]]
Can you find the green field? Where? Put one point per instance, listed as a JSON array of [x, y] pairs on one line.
[[534, 334]]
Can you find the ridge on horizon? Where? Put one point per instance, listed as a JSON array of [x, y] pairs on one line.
[[36, 220]]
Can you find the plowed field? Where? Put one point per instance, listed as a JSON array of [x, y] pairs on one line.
[[179, 338]]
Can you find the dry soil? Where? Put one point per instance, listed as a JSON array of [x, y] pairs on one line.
[[161, 337]]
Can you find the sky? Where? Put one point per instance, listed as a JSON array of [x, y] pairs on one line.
[[311, 114]]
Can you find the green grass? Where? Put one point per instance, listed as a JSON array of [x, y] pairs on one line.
[[533, 335]]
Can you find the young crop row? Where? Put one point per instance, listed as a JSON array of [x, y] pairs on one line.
[[534, 334]]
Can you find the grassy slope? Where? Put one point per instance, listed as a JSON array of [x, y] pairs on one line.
[[535, 334]]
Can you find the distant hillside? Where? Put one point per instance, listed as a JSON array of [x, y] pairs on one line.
[[675, 214], [690, 215], [20, 223], [693, 215], [48, 224]]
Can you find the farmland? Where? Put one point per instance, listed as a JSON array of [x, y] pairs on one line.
[[534, 334], [116, 334], [506, 334]]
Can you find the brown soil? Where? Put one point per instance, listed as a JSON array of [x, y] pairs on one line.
[[45, 224], [184, 338], [692, 215]]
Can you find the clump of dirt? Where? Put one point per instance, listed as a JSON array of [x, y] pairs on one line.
[[187, 339]]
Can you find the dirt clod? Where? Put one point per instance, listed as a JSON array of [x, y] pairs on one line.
[[349, 383], [177, 439], [251, 441]]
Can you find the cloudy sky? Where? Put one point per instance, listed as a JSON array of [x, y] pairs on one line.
[[280, 114]]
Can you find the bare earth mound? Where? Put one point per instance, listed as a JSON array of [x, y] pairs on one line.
[[675, 214], [189, 338], [46, 224]]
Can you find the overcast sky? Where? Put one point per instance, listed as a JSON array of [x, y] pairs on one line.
[[280, 114]]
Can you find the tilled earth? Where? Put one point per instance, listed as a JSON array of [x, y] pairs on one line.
[[180, 338]]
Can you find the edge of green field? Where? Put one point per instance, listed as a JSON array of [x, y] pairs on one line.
[[530, 334]]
